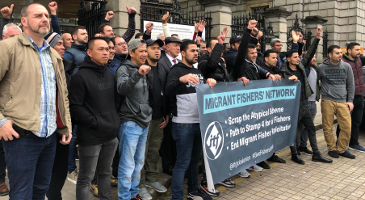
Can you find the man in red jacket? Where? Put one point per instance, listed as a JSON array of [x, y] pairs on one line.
[[353, 58]]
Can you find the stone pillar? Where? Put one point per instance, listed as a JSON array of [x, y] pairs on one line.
[[311, 24], [221, 15], [276, 16], [120, 20]]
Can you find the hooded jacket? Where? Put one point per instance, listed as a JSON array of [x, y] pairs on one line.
[[183, 95], [134, 89], [337, 81], [76, 54], [92, 97]]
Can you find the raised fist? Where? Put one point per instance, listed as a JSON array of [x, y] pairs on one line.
[[318, 32], [109, 15], [144, 69], [251, 24], [6, 11], [53, 7], [149, 27], [295, 36]]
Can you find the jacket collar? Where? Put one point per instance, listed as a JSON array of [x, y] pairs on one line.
[[80, 47]]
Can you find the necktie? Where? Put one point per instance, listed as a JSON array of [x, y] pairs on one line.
[[174, 61]]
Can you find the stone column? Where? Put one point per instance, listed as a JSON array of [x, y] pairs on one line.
[[311, 24], [276, 16], [120, 20], [221, 15]]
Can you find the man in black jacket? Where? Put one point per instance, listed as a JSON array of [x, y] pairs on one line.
[[156, 85], [211, 64], [92, 104], [231, 53], [295, 67]]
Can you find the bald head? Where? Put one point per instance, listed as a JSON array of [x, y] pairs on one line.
[[67, 40]]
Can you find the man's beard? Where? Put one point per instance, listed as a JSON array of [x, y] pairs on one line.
[[154, 59], [39, 31], [191, 62], [81, 41]]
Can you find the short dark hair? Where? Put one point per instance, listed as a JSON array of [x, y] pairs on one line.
[[184, 45], [352, 45], [290, 53], [90, 43], [109, 40], [75, 30], [138, 35], [332, 47], [172, 35], [251, 46], [268, 52], [101, 27], [209, 43]]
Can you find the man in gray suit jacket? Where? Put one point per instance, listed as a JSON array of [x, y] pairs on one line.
[[168, 148]]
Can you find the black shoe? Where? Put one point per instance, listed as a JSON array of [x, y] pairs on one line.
[[204, 187], [264, 165], [305, 150], [198, 195], [347, 154], [333, 154], [275, 158], [296, 158], [318, 157]]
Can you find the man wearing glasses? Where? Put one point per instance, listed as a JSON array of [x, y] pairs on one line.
[[121, 53], [277, 46]]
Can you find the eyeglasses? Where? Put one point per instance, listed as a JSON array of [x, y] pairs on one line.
[[121, 43]]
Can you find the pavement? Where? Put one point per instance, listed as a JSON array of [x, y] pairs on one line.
[[343, 179]]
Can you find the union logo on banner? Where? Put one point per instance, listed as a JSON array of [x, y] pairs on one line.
[[213, 140]]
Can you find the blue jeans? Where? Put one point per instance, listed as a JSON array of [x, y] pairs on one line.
[[302, 141], [29, 161], [72, 151], [132, 145], [189, 151]]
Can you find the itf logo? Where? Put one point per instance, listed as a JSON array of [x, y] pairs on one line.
[[213, 140]]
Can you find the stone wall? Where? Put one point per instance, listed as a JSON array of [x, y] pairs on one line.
[[346, 19]]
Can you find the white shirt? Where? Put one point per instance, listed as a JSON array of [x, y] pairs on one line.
[[171, 59]]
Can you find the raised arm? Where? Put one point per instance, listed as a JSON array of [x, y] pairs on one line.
[[312, 49], [6, 13], [147, 33], [164, 20], [54, 20]]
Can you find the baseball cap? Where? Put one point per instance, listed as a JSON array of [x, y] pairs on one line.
[[135, 43], [235, 38], [149, 42]]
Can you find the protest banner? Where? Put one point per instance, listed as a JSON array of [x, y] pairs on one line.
[[243, 125], [184, 31]]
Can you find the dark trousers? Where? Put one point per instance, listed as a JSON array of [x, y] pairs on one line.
[[305, 119], [356, 119], [302, 142], [29, 160], [59, 171], [168, 148], [2, 164]]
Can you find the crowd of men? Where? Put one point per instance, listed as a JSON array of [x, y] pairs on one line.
[[132, 99]]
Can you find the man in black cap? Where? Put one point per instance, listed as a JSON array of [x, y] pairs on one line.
[[168, 148], [156, 80], [231, 54]]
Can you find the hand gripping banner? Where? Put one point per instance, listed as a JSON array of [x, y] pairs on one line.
[[243, 125]]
